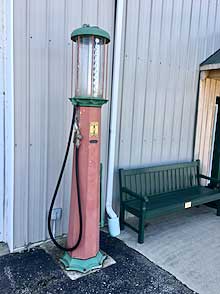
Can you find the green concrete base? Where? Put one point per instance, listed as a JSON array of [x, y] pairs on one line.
[[82, 265]]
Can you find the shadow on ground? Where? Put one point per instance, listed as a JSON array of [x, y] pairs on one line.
[[36, 272]]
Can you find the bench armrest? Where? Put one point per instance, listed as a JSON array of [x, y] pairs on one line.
[[209, 178], [135, 195]]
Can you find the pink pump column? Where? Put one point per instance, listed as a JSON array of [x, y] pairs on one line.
[[87, 256]]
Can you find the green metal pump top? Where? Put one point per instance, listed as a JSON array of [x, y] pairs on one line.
[[84, 96], [87, 30]]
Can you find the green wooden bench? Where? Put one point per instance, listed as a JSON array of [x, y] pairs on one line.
[[158, 190]]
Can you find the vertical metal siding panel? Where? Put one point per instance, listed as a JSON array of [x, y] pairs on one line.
[[206, 29], [194, 78], [129, 79], [44, 138], [21, 58], [217, 26], [57, 99], [2, 116], [37, 117], [211, 28], [202, 32], [90, 12], [152, 81], [189, 100], [182, 74], [140, 86], [163, 69], [199, 34], [121, 86], [170, 92]]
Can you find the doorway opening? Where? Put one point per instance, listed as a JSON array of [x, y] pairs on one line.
[[215, 162], [208, 118]]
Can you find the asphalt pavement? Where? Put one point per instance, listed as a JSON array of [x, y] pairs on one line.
[[37, 272]]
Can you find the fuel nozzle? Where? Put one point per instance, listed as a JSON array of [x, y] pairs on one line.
[[77, 137]]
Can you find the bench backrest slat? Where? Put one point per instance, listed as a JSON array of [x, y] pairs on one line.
[[160, 179]]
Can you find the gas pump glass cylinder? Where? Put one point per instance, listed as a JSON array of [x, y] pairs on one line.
[[90, 57]]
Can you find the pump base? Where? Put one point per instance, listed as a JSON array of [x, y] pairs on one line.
[[82, 265]]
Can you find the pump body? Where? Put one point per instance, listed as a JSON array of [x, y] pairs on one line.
[[89, 158], [90, 85]]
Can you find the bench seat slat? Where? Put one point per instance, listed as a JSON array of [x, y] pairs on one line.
[[181, 195], [142, 170], [174, 201]]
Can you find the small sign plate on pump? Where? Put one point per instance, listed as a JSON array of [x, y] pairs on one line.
[[94, 129], [188, 204]]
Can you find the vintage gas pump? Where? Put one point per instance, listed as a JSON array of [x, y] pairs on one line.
[[90, 43]]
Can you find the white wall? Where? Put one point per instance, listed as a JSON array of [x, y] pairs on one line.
[[164, 43], [2, 101], [6, 123], [42, 56]]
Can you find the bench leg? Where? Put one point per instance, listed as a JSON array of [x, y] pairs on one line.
[[217, 203], [141, 229], [122, 217], [218, 209]]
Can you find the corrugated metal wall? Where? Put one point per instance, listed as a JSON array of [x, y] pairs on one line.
[[209, 90], [165, 41], [2, 114], [42, 53]]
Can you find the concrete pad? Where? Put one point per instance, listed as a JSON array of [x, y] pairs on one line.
[[3, 249], [185, 244], [74, 275], [56, 253]]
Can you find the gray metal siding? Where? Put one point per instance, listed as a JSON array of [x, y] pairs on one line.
[[165, 41], [42, 53], [2, 113]]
